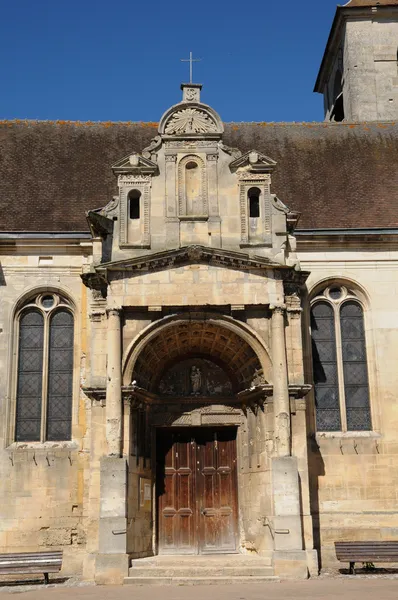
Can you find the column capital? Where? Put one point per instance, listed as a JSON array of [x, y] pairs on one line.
[[278, 308], [114, 311]]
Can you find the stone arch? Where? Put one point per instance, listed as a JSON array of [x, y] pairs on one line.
[[228, 343], [351, 284]]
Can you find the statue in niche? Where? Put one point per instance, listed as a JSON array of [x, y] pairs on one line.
[[196, 381], [195, 377]]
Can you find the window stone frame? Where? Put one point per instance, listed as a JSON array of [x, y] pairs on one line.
[[34, 302], [322, 295]]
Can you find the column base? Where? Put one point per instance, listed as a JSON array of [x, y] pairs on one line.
[[290, 564], [111, 569]]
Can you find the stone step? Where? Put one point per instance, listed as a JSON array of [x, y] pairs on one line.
[[205, 560], [197, 580], [201, 571]]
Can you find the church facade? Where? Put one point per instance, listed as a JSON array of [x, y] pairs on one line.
[[199, 338]]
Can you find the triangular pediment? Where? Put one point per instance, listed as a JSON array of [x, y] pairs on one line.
[[189, 255], [99, 276], [254, 161], [135, 163]]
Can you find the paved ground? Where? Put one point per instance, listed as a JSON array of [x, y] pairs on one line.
[[341, 588]]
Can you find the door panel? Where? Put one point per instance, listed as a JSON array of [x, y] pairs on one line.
[[196, 489], [177, 505], [216, 483]]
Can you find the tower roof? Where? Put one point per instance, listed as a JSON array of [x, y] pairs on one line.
[[371, 3]]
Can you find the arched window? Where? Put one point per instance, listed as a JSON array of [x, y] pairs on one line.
[[134, 204], [339, 362], [254, 202], [45, 370]]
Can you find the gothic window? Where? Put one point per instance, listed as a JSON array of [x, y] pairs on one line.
[[339, 362], [134, 204], [254, 202], [44, 370]]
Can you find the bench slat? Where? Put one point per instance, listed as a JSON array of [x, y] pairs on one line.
[[31, 562]]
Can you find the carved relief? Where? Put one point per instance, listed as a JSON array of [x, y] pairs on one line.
[[190, 120], [195, 377]]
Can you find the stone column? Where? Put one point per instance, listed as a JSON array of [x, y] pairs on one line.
[[111, 565], [114, 384], [289, 558], [282, 432]]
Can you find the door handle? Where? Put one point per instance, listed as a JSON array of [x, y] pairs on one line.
[[203, 511]]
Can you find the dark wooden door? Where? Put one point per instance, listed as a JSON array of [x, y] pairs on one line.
[[196, 490]]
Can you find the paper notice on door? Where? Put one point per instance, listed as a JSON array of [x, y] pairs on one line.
[[145, 494]]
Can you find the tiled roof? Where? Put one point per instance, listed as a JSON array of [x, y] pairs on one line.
[[337, 175]]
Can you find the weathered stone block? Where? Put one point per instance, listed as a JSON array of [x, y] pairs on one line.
[[111, 569]]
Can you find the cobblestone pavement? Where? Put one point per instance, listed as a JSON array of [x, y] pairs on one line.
[[369, 587]]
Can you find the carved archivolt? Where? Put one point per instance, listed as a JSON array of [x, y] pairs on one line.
[[190, 120]]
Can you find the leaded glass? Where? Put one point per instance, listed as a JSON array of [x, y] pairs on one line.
[[60, 376], [30, 376], [356, 386], [325, 368]]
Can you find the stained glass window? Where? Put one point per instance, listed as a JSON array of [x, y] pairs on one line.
[[325, 368], [356, 389], [30, 376], [339, 362], [45, 371], [60, 376]]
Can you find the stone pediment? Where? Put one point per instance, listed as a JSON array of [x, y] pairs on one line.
[[98, 277], [253, 161], [135, 164], [188, 255]]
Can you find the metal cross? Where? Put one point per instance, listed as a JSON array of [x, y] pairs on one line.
[[190, 60]]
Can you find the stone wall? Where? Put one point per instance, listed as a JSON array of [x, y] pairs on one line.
[[45, 487], [354, 476]]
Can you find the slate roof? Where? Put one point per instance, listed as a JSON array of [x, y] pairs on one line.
[[338, 175]]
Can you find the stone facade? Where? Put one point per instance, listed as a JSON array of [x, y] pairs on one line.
[[191, 298], [358, 76]]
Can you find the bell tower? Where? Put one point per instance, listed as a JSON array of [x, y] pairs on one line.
[[358, 76]]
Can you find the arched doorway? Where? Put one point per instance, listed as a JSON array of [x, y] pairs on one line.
[[195, 373]]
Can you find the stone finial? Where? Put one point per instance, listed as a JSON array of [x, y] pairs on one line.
[[191, 92]]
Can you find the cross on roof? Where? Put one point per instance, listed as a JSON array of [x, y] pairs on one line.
[[190, 60]]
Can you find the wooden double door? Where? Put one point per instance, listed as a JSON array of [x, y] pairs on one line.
[[196, 490]]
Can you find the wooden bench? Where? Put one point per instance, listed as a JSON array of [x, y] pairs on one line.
[[31, 562], [366, 552]]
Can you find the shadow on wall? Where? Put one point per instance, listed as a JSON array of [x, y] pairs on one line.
[[2, 278], [316, 470]]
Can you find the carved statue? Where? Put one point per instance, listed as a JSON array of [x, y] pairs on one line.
[[196, 381]]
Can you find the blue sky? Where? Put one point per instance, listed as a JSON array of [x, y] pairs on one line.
[[120, 61]]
